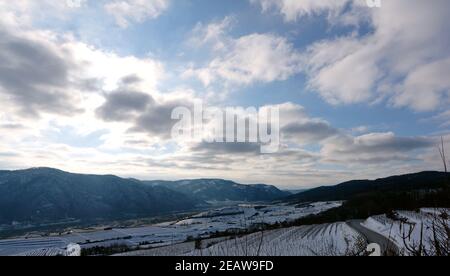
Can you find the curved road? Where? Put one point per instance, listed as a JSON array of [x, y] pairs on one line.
[[388, 248]]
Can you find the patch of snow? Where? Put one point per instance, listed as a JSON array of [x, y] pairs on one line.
[[409, 229]]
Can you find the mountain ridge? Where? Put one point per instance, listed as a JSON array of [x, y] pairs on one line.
[[348, 189], [44, 194], [213, 189]]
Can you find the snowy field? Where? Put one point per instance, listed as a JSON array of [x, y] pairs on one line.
[[179, 249], [201, 225], [23, 247], [405, 231], [244, 216], [336, 239]]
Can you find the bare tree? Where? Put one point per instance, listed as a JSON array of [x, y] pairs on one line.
[[413, 247], [441, 148], [438, 244], [439, 225]]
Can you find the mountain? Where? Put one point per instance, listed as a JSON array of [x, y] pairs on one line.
[[51, 195], [401, 183], [365, 198], [48, 195], [212, 190], [296, 191]]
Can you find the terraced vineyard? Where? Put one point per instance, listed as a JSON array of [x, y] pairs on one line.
[[318, 240], [25, 246], [327, 240]]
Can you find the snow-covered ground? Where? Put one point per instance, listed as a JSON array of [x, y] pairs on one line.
[[179, 249], [23, 246], [244, 216], [406, 229], [202, 225], [335, 239], [175, 238]]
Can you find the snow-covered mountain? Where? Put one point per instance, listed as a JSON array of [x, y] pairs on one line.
[[219, 190]]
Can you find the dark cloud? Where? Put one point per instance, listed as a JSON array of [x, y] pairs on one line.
[[12, 126], [131, 79], [311, 131], [123, 105], [157, 119], [375, 160], [228, 148], [89, 84], [34, 76], [375, 148], [390, 145], [140, 109]]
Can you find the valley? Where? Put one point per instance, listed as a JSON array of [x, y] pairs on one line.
[[51, 211], [226, 221]]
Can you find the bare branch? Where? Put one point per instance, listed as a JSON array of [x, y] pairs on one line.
[[442, 153]]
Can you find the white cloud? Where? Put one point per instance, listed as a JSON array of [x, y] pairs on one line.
[[348, 69], [292, 10], [357, 156], [59, 70], [245, 60], [127, 11], [342, 71], [442, 118], [426, 87], [61, 82], [111, 69], [27, 11], [403, 61], [214, 34]]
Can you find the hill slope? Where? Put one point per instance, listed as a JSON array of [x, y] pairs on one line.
[[222, 190], [42, 194], [347, 190], [382, 196]]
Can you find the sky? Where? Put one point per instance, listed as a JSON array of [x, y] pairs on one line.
[[89, 86]]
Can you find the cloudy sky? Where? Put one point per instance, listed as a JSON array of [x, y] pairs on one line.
[[89, 86]]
